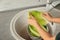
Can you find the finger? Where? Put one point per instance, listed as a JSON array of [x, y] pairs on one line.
[[30, 21], [44, 15], [32, 17], [49, 14]]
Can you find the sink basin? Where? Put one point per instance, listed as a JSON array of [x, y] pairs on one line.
[[19, 23]]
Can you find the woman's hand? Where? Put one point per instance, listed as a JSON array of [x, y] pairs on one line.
[[45, 35], [32, 21], [48, 16]]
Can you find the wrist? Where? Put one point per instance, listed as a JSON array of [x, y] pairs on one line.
[[52, 19]]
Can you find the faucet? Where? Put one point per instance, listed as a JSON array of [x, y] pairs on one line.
[[51, 4]]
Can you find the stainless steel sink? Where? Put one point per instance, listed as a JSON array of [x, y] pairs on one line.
[[19, 24]]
